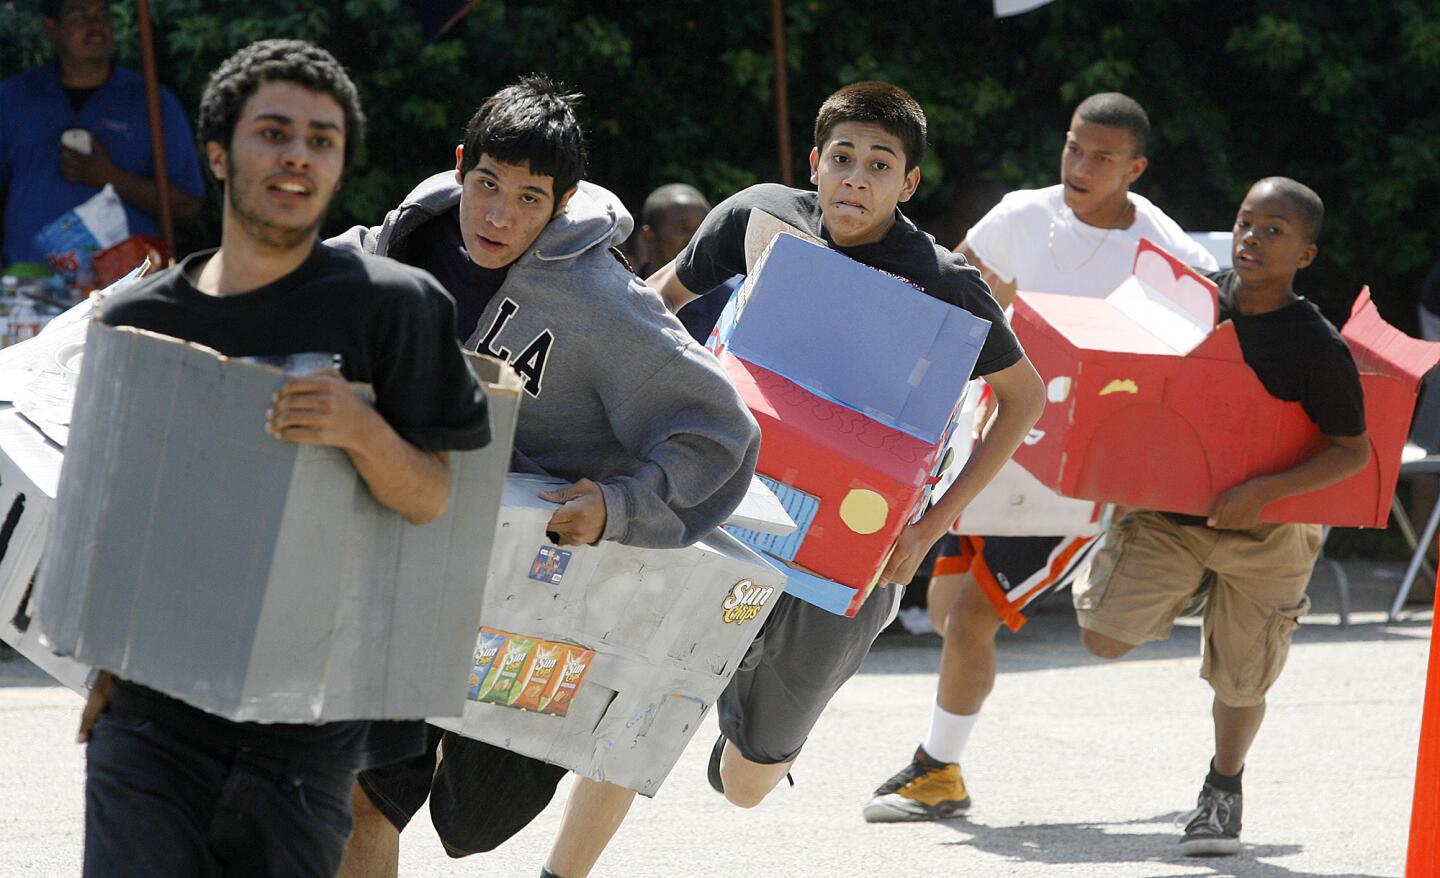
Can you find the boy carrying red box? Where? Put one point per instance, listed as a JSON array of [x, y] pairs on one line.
[[1152, 563]]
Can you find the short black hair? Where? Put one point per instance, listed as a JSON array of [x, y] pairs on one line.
[[305, 64], [878, 103], [531, 122], [667, 196], [1305, 200], [1114, 110]]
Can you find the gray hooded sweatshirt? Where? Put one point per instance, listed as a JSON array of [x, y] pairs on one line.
[[618, 391]]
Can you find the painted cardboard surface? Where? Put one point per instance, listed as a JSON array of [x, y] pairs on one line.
[[844, 306], [255, 579], [854, 425], [868, 479], [1144, 420], [1014, 503], [663, 625]]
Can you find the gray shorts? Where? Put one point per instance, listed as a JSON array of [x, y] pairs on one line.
[[794, 667]]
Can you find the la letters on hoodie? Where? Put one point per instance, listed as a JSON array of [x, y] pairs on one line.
[[620, 393]]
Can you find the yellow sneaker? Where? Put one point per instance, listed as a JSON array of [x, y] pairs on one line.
[[926, 789]]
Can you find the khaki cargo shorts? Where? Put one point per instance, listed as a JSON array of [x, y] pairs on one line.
[[1142, 578]]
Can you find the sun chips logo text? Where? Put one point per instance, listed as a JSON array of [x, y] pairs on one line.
[[745, 601]]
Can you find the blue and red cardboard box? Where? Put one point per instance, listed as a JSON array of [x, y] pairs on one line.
[[856, 378], [1150, 404]]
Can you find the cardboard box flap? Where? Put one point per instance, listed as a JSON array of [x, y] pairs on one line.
[[1168, 299], [761, 230], [1381, 348], [1092, 324]]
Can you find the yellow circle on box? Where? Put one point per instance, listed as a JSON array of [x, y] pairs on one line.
[[864, 511]]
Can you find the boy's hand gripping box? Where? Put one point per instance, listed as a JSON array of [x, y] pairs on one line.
[[855, 377], [604, 659], [252, 578], [1150, 405]]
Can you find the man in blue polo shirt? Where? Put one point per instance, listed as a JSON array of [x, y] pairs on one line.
[[84, 89]]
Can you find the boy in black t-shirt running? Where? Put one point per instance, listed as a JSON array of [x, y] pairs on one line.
[[869, 140], [171, 790], [1260, 570]]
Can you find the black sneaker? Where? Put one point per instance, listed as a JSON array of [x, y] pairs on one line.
[[1213, 828], [926, 789]]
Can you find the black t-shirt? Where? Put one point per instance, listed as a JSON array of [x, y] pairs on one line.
[[393, 329], [1299, 357], [718, 251], [438, 246]]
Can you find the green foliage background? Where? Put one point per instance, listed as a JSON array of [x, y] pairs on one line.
[[1341, 95]]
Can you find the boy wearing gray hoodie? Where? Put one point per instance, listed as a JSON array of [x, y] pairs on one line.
[[657, 443]]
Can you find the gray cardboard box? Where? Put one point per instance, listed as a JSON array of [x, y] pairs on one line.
[[657, 621], [29, 474], [255, 579]]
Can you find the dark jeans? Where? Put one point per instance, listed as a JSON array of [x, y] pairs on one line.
[[158, 804]]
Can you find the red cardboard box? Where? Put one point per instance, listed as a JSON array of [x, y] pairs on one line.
[[866, 479], [1147, 406]]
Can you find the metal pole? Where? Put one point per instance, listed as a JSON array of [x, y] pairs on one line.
[[782, 87], [157, 124]]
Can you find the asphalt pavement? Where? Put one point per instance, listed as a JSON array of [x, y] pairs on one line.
[[1078, 767]]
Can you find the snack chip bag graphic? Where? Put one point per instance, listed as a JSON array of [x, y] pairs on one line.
[[567, 681], [487, 647], [500, 683], [535, 681]]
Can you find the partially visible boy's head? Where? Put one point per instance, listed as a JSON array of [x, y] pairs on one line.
[[531, 123], [869, 141], [1104, 154], [279, 120], [1275, 230], [669, 219], [523, 155], [877, 103]]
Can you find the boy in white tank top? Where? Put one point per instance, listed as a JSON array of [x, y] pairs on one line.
[[1078, 238]]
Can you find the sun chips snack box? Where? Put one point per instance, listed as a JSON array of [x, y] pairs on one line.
[[569, 679], [487, 649], [540, 672], [499, 685], [644, 640]]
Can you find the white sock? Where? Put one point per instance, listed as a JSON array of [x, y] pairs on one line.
[[948, 734]]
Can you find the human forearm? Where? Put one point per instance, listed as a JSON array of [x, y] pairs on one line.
[[1002, 290], [323, 409], [413, 483], [144, 193], [667, 283], [1020, 399], [1240, 506]]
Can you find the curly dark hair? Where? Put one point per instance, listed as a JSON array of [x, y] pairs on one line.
[[531, 122], [297, 61]]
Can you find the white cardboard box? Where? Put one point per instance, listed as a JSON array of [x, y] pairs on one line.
[[657, 620], [256, 579]]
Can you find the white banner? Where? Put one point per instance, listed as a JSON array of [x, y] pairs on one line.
[[1007, 8]]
